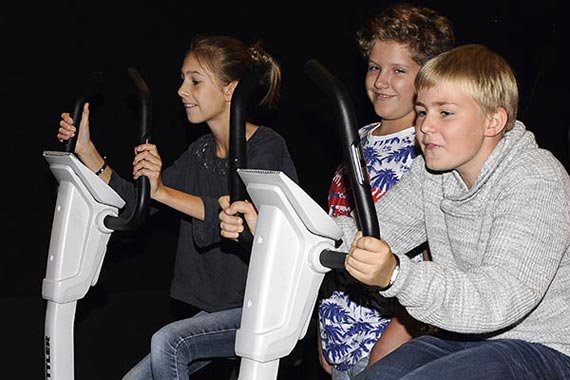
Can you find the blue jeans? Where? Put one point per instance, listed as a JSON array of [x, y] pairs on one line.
[[350, 373], [183, 347], [433, 358]]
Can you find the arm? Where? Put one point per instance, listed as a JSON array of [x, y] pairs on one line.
[[266, 150], [483, 282], [148, 162], [90, 156], [186, 203]]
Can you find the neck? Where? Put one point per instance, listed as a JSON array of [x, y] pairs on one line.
[[390, 126], [387, 128], [222, 138]]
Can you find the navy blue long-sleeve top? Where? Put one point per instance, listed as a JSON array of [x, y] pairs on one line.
[[210, 271]]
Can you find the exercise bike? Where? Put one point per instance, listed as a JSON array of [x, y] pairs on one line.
[[86, 214], [294, 246]]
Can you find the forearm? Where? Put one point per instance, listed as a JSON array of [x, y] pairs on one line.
[[91, 158], [186, 203], [504, 269]]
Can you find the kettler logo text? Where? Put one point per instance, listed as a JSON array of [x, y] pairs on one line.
[[48, 362]]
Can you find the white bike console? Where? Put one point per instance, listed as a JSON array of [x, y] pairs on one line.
[[284, 273], [77, 248]]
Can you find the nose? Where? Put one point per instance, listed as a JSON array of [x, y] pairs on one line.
[[382, 80], [182, 90], [425, 124]]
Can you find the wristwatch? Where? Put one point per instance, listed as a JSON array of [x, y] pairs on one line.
[[394, 276]]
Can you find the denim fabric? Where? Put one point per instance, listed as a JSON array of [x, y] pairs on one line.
[[433, 358], [181, 348], [351, 372]]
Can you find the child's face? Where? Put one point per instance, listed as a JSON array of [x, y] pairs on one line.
[[202, 98], [390, 82], [451, 131]]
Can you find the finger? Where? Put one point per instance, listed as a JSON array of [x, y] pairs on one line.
[[229, 235], [64, 134], [224, 201], [231, 226], [355, 269], [243, 207], [358, 257], [148, 172], [235, 207], [147, 147], [230, 219], [357, 236], [230, 231], [147, 160], [368, 243], [85, 113], [67, 125]]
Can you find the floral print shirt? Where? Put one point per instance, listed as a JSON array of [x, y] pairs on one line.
[[349, 330]]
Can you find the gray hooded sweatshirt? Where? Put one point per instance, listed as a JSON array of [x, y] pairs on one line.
[[500, 250]]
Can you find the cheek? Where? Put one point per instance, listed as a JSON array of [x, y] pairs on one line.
[[369, 83], [370, 93], [406, 90], [419, 133], [417, 127]]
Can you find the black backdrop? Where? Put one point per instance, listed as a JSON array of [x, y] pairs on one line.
[[49, 47]]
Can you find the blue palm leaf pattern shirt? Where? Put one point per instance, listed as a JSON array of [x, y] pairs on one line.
[[349, 330]]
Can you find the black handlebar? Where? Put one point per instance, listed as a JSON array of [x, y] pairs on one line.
[[86, 92], [358, 174], [69, 145], [140, 212], [238, 158], [143, 185]]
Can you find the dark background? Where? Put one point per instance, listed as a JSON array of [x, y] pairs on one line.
[[48, 48]]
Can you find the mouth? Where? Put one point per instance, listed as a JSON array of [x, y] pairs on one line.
[[429, 146], [189, 105], [383, 96]]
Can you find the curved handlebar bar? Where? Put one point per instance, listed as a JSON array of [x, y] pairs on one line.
[[140, 212], [87, 91], [143, 185], [359, 180], [238, 160]]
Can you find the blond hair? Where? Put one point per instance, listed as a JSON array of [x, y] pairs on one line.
[[482, 73]]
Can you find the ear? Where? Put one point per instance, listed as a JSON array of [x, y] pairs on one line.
[[229, 90], [497, 122]]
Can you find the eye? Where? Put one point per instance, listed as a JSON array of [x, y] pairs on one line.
[[446, 113], [373, 67], [400, 71], [420, 113]]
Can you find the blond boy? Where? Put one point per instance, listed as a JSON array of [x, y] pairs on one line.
[[495, 211]]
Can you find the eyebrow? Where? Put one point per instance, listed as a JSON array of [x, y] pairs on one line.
[[390, 64], [437, 104], [192, 71]]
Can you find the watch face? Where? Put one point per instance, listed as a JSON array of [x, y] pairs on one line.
[[395, 273]]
